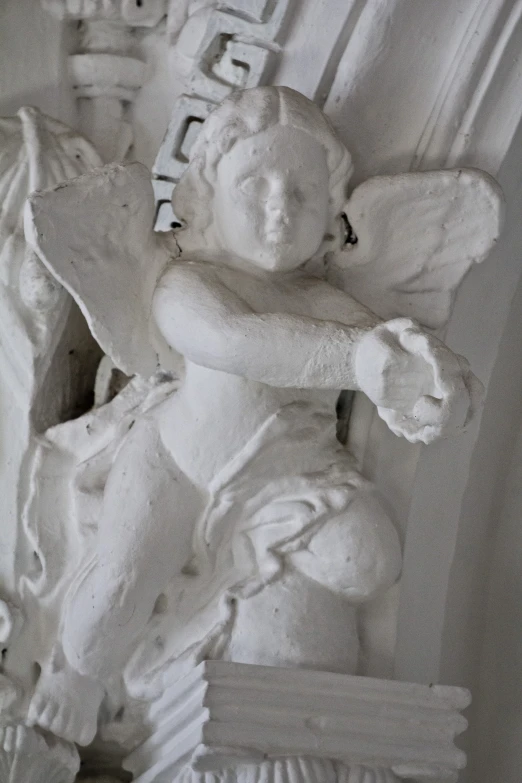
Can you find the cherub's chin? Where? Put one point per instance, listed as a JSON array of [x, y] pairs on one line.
[[278, 260]]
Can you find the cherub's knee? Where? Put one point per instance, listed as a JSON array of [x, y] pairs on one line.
[[356, 554]]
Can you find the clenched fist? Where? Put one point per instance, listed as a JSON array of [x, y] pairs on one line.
[[421, 389]]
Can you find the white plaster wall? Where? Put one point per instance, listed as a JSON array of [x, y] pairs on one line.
[[153, 105], [435, 644], [409, 60], [483, 635], [495, 736]]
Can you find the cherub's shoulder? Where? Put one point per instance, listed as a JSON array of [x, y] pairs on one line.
[[315, 286], [187, 270], [207, 273]]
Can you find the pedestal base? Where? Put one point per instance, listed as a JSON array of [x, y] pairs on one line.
[[224, 715]]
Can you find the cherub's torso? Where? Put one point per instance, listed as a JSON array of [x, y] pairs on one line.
[[214, 413]]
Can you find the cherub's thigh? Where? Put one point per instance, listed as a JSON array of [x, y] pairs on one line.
[[149, 506]]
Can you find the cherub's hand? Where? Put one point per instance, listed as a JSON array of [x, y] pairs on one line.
[[422, 389]]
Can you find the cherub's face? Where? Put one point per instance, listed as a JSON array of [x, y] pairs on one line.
[[271, 198]]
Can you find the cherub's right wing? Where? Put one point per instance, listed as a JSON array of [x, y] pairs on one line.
[[94, 233]]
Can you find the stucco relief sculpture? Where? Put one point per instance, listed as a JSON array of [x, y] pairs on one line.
[[44, 344], [211, 510]]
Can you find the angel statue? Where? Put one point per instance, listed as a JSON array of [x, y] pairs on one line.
[[229, 522]]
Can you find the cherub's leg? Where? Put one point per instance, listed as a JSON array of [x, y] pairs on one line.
[[144, 538]]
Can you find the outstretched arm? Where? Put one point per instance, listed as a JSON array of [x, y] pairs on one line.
[[213, 326]]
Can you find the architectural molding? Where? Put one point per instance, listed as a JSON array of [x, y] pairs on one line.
[[225, 715], [106, 72], [475, 125]]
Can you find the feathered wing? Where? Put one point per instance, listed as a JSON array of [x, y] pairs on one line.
[[95, 235], [417, 236]]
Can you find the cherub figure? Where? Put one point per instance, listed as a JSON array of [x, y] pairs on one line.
[[231, 499]]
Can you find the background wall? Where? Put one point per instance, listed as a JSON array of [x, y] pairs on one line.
[[483, 642], [495, 736]]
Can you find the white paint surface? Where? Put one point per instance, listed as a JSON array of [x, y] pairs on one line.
[[406, 78], [229, 503]]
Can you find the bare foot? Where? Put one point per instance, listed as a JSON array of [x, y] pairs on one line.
[[66, 704]]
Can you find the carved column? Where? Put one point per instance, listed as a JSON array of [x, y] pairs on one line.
[[106, 71]]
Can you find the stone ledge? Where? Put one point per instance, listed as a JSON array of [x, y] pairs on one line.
[[223, 714]]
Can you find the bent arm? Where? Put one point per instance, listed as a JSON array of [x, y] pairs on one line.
[[214, 327]]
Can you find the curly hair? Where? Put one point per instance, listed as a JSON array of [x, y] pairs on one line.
[[242, 115]]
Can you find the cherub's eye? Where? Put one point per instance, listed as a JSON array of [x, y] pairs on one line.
[[253, 186], [304, 193]]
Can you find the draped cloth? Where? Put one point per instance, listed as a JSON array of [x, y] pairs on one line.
[[274, 495], [288, 480]]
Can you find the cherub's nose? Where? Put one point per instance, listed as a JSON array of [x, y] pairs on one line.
[[278, 197]]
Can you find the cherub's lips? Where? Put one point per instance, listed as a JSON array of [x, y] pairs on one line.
[[278, 233]]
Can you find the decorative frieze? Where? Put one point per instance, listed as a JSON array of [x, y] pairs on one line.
[[218, 50]]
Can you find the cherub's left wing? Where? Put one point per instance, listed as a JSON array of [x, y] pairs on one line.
[[95, 235], [417, 236]]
